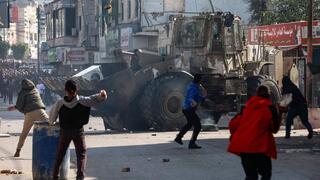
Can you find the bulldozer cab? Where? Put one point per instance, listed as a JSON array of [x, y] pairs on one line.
[[211, 40]]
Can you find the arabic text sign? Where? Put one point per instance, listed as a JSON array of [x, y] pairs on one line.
[[75, 56], [276, 35], [284, 35], [4, 14]]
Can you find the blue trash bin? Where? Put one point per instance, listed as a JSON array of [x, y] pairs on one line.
[[44, 148]]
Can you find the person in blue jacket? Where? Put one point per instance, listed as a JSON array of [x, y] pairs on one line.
[[195, 95]]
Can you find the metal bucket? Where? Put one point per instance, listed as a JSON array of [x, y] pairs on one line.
[[44, 148]]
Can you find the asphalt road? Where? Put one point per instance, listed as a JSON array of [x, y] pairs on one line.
[[143, 153]]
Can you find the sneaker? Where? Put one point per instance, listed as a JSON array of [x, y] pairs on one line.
[[194, 146], [287, 136], [178, 140], [17, 154], [310, 135]]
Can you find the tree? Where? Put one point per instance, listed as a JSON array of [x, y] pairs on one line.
[[265, 12], [4, 49], [257, 9], [19, 51]]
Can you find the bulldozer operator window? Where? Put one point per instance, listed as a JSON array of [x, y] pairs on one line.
[[217, 35], [191, 34]]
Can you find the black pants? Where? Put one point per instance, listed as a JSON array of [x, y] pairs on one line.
[[78, 138], [302, 112], [193, 121], [256, 163]]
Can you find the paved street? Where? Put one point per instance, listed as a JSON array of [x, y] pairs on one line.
[[143, 153]]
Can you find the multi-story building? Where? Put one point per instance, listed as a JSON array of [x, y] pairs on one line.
[[23, 26], [72, 33]]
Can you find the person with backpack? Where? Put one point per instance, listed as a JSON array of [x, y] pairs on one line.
[[252, 135], [73, 111]]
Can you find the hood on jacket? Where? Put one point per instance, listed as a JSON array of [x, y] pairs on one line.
[[256, 102], [27, 84], [286, 82], [72, 103]]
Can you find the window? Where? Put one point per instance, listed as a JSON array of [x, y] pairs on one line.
[[80, 24], [60, 23], [129, 9], [54, 16], [35, 37], [191, 33], [31, 37], [70, 21], [137, 8], [122, 11], [49, 26]]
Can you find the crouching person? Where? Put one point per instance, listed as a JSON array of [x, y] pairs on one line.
[[252, 135], [73, 111]]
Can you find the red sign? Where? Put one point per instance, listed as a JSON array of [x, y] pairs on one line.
[[284, 35], [76, 54], [14, 14]]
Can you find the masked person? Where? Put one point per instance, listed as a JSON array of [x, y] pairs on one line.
[[252, 135], [195, 95], [73, 111], [297, 107], [30, 104]]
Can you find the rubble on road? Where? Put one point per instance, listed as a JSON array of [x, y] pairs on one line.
[[10, 171], [165, 160], [125, 169]]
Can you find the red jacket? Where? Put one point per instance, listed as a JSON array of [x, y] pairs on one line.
[[251, 131]]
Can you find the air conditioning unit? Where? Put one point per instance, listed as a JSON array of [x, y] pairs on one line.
[[74, 32]]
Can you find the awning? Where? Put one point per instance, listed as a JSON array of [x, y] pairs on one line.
[[289, 48]]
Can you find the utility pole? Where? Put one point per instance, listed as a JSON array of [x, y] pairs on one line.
[[310, 19], [38, 52], [309, 83]]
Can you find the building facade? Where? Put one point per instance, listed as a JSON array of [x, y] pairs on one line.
[[72, 33]]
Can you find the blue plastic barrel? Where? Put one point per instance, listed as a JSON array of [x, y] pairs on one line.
[[45, 144]]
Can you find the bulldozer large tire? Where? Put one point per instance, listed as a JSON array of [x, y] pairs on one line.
[[113, 123], [130, 119], [254, 82], [161, 103]]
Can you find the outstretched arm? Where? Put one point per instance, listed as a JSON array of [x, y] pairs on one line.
[[54, 112], [94, 99]]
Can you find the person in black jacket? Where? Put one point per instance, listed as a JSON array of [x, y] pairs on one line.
[[298, 106], [73, 112]]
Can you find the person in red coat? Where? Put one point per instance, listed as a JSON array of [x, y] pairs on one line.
[[252, 135]]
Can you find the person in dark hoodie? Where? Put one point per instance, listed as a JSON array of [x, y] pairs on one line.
[[297, 107], [30, 104], [195, 95], [252, 135], [73, 111]]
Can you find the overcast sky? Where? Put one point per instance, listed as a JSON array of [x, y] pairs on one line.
[[237, 7]]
